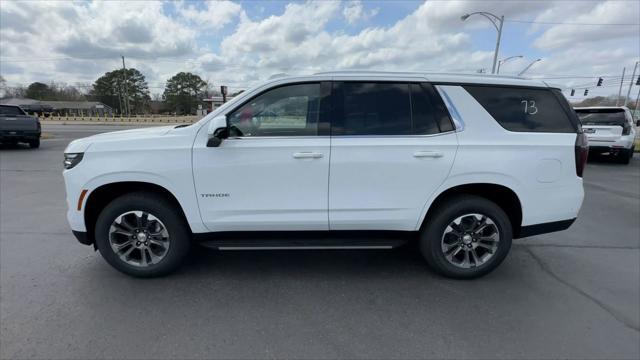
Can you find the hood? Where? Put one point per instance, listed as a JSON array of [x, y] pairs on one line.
[[81, 145]]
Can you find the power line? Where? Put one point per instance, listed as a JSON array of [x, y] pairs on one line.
[[566, 23]]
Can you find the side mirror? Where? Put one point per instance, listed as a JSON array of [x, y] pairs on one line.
[[217, 131]]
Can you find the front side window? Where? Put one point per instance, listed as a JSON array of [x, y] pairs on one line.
[[291, 110]]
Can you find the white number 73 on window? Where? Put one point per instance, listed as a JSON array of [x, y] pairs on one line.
[[529, 107]]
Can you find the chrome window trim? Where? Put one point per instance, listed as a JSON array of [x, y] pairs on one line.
[[458, 123], [277, 137], [340, 136]]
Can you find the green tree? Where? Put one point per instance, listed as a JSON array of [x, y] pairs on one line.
[[38, 91], [184, 92], [110, 89]]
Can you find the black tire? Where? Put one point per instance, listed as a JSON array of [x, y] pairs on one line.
[[163, 210], [34, 144], [624, 156], [453, 208]]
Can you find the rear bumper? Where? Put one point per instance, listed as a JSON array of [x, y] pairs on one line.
[[18, 135], [545, 228], [624, 142]]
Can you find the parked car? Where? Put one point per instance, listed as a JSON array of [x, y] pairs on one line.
[[16, 126], [610, 130], [461, 164]]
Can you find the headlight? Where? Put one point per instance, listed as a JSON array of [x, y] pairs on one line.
[[72, 159]]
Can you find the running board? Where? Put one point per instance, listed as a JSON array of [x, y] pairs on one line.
[[300, 240]]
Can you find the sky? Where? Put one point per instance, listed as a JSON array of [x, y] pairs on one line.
[[241, 43]]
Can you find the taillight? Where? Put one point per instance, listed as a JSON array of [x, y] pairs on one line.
[[626, 129], [582, 152]]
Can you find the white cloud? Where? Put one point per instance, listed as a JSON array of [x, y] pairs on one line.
[[215, 16], [610, 12], [162, 39], [354, 11]]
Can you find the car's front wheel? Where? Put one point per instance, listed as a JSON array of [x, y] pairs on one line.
[[141, 234], [467, 237]]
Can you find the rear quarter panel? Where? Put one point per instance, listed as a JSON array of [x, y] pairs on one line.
[[538, 167]]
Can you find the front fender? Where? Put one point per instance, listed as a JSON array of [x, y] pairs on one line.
[[183, 195]]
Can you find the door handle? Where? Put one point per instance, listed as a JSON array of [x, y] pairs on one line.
[[307, 155], [428, 154]]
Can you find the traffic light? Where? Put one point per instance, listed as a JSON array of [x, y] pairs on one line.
[[638, 81], [600, 82], [586, 91], [573, 92]]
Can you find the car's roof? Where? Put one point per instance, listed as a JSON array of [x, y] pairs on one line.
[[455, 78]]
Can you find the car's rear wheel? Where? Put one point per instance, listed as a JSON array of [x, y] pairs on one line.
[[624, 156], [467, 237], [142, 235]]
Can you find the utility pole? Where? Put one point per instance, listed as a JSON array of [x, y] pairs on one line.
[[636, 111], [120, 99], [223, 90], [126, 92], [630, 83], [620, 91]]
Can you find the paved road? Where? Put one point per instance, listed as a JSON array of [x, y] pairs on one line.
[[573, 294]]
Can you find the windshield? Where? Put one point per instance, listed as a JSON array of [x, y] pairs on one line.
[[611, 117]]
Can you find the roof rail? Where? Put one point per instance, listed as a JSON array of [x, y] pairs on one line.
[[417, 73]]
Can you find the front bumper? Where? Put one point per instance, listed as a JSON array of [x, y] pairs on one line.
[[82, 237]]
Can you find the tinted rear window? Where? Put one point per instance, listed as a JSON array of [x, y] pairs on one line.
[[523, 109], [10, 110], [602, 117], [376, 109]]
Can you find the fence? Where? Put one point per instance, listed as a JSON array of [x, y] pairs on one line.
[[132, 118]]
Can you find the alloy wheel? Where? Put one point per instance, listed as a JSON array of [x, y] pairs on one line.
[[470, 240], [139, 238]]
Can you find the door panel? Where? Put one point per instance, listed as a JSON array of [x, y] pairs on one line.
[[392, 146], [273, 173], [260, 184], [380, 183]]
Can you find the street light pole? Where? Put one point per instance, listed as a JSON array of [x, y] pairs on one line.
[[500, 62], [528, 66], [497, 22], [495, 54]]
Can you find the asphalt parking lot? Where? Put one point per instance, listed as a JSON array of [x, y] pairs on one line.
[[573, 294]]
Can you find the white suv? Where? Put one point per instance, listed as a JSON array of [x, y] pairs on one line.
[[460, 164], [609, 129]]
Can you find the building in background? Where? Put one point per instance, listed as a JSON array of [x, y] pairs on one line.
[[214, 102], [74, 108]]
